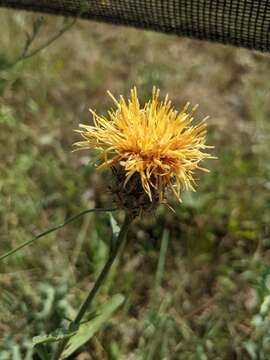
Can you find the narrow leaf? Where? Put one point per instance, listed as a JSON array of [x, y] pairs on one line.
[[162, 257], [115, 230], [56, 335], [55, 228], [88, 329]]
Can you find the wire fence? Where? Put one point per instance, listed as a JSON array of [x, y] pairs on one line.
[[238, 22]]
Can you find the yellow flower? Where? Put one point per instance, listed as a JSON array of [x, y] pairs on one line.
[[155, 142]]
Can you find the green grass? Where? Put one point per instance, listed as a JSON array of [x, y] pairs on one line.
[[196, 283]]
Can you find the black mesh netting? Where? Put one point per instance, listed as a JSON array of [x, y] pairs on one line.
[[238, 22]]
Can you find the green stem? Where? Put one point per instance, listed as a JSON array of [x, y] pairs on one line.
[[102, 276], [26, 55], [46, 232]]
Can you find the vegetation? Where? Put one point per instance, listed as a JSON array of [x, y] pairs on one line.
[[194, 284]]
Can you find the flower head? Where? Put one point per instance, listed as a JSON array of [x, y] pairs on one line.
[[154, 144]]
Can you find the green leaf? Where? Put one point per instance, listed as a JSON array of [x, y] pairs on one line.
[[56, 335], [88, 329], [115, 229], [162, 257]]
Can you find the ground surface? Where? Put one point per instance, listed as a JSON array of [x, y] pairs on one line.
[[210, 299]]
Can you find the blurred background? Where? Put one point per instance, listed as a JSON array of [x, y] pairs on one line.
[[196, 282]]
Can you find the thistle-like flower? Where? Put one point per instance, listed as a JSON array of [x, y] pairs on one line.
[[150, 148]]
